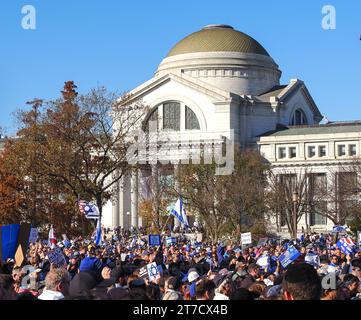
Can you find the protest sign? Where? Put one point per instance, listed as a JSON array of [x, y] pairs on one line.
[[246, 238], [154, 240], [359, 237], [57, 258], [289, 256], [8, 241], [143, 272], [22, 244], [153, 271], [346, 245], [312, 259]]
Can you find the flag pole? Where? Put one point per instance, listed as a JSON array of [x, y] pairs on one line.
[[165, 223]]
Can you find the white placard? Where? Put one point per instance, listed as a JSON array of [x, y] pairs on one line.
[[246, 238]]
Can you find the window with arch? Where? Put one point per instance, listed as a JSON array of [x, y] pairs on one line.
[[192, 122], [298, 118], [174, 116], [171, 116]]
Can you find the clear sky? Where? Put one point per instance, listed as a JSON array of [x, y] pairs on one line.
[[119, 44]]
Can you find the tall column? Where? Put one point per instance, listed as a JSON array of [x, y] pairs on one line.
[[177, 223], [134, 198], [154, 190], [116, 206], [121, 212]]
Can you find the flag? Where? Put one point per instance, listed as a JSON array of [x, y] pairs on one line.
[[170, 241], [52, 239], [98, 237], [346, 245], [89, 209], [338, 229], [180, 213]]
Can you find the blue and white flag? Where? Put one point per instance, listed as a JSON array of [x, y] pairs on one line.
[[98, 237], [170, 241], [338, 229], [346, 245], [180, 213], [89, 209]]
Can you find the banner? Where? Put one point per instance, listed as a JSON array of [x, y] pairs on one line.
[[154, 240], [289, 256], [8, 241], [246, 238], [346, 245]]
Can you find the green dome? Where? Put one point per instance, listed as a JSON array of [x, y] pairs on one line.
[[218, 38]]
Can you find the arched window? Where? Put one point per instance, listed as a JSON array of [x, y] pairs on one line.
[[175, 116], [171, 116], [298, 118], [153, 117], [191, 120]]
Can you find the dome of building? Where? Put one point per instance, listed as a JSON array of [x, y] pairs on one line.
[[225, 58], [218, 37]]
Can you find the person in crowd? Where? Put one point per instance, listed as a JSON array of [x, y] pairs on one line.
[[57, 283], [117, 269], [172, 289], [205, 290], [301, 282], [253, 274], [7, 290]]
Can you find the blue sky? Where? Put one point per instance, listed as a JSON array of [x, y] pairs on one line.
[[119, 44]]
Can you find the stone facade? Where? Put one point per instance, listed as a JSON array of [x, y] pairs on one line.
[[231, 93]]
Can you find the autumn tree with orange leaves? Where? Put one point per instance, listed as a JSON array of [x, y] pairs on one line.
[[68, 149]]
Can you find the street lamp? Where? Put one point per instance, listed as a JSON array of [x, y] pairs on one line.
[[128, 220], [295, 199]]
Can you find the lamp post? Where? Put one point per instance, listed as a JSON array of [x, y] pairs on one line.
[[294, 213], [128, 220]]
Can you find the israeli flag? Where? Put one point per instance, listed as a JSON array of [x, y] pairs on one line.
[[91, 210], [98, 237], [170, 241], [180, 213], [338, 229]]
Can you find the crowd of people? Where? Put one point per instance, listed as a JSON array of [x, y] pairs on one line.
[[186, 270]]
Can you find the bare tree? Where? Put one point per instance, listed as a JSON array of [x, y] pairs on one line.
[[287, 198], [341, 194]]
